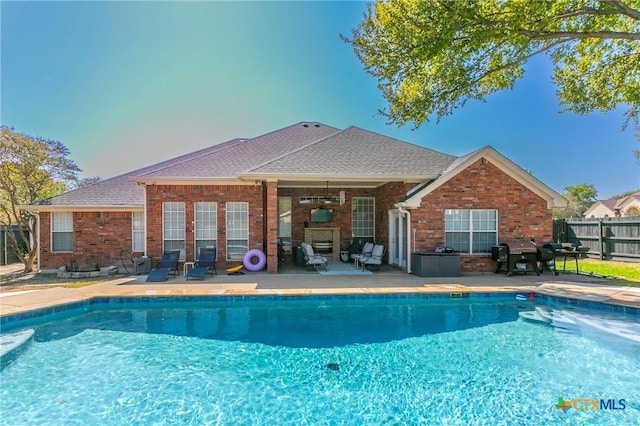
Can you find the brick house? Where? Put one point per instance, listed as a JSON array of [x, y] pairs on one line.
[[306, 182]]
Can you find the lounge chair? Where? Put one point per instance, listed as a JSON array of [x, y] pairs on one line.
[[375, 260], [206, 263], [366, 252], [313, 259], [158, 275], [169, 261]]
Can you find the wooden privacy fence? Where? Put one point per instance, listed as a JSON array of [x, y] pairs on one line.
[[615, 238]]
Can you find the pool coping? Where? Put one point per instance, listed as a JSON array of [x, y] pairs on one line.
[[573, 292]]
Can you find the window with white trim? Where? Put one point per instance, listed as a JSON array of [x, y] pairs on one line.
[[137, 231], [471, 231], [173, 220], [237, 230], [363, 217], [62, 231], [205, 225]]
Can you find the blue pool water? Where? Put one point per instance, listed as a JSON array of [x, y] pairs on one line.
[[319, 362]]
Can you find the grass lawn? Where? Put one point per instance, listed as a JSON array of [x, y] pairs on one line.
[[628, 271]]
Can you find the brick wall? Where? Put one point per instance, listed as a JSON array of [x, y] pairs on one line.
[[521, 213], [190, 194], [105, 236], [98, 238]]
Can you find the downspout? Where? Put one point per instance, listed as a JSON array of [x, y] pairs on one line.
[[408, 214], [39, 242]]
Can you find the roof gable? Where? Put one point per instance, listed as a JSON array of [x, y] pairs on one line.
[[503, 163], [356, 153]]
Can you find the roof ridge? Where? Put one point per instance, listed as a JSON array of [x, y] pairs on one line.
[[338, 131]]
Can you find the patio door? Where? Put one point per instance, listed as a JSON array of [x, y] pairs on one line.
[[397, 239]]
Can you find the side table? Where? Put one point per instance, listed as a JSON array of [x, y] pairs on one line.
[[186, 267]]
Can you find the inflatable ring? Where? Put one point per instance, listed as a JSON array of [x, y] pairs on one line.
[[257, 256]]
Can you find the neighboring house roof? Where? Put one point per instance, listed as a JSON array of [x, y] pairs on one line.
[[300, 154], [614, 207], [414, 197], [602, 208], [628, 202]]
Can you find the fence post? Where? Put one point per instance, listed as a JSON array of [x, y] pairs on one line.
[[601, 243]]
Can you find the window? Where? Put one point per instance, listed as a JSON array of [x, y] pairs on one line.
[[173, 226], [62, 231], [471, 231], [237, 230], [284, 223], [206, 225], [363, 217], [137, 231]]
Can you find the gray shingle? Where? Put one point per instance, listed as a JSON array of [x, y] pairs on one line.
[[356, 152], [303, 149]]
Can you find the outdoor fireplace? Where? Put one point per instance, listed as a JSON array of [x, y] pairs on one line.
[[323, 247], [325, 241]]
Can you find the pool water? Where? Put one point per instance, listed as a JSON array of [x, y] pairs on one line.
[[318, 362]]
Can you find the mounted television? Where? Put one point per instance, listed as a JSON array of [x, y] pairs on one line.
[[321, 215]]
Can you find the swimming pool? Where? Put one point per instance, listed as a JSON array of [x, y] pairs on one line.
[[320, 360]]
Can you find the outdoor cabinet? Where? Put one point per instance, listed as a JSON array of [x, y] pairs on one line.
[[435, 264], [141, 265]]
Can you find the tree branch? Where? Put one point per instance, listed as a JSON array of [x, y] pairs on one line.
[[517, 61], [608, 35], [624, 9], [587, 11]]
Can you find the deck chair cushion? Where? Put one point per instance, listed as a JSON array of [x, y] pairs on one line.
[[198, 272], [158, 275]]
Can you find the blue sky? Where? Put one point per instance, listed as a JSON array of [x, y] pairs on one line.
[[127, 84]]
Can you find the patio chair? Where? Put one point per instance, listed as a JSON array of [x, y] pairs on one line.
[[157, 275], [366, 252], [375, 260], [313, 259], [206, 262], [169, 261]]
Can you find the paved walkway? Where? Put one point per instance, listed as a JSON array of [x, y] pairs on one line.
[[307, 283]]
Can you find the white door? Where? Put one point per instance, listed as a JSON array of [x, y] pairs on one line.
[[397, 238]]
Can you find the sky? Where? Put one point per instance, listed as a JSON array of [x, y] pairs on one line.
[[127, 84]]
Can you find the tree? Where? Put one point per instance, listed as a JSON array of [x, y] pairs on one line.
[[431, 57], [31, 168], [580, 198]]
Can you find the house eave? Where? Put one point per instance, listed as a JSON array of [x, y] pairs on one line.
[[149, 181], [82, 208], [332, 181]]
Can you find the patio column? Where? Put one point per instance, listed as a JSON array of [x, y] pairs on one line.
[[272, 225]]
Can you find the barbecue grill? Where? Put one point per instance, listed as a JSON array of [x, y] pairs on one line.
[[565, 250], [516, 256]]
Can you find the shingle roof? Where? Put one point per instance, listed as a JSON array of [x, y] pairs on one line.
[[303, 149], [238, 158], [121, 190], [355, 152]]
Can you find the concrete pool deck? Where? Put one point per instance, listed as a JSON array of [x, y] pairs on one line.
[[571, 286]]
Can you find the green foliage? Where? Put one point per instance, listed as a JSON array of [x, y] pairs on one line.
[[580, 198], [431, 57], [30, 169]]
